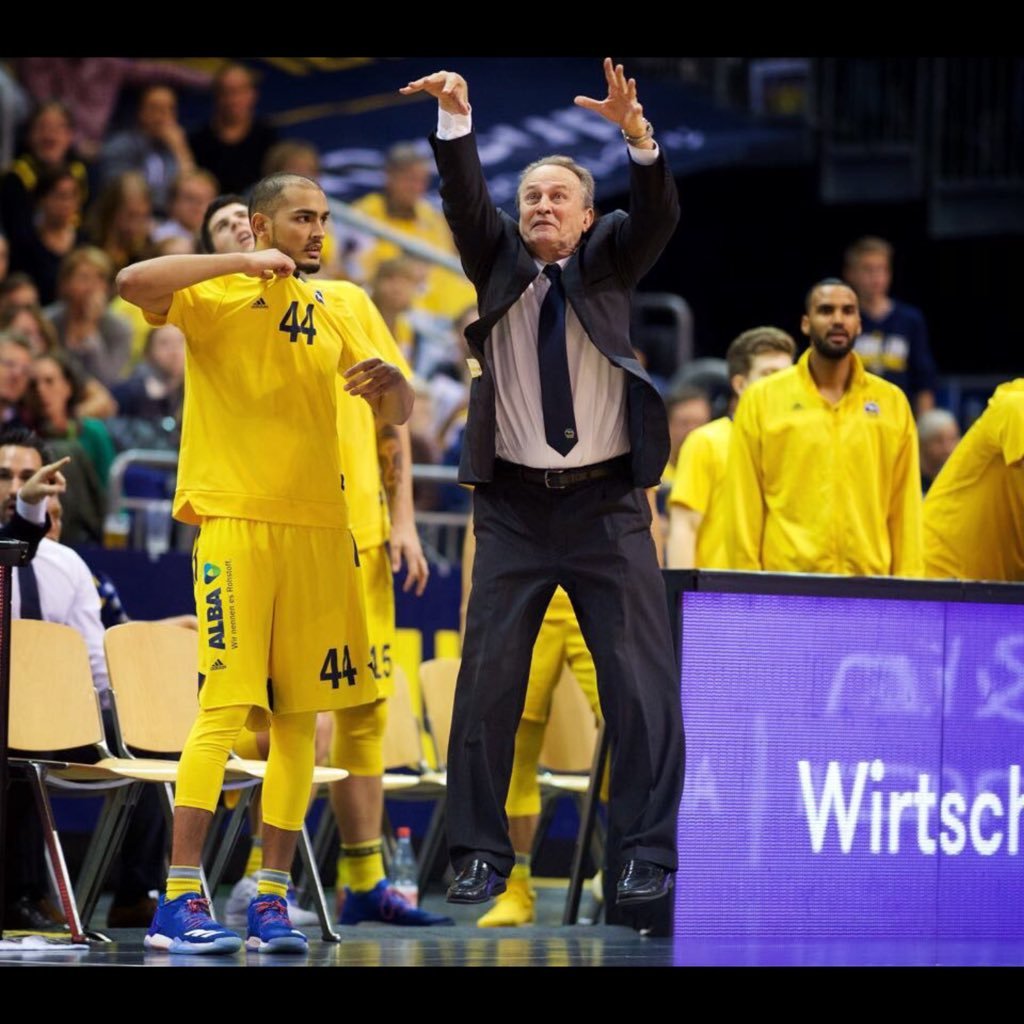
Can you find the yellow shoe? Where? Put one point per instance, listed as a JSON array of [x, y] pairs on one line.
[[512, 908]]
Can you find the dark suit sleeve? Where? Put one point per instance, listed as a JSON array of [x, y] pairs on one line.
[[653, 215], [474, 220], [19, 528]]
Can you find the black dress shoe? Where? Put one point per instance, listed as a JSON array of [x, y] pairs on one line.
[[641, 881], [27, 914], [477, 882]]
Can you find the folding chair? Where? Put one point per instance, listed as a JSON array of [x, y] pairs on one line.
[[54, 707], [153, 670]]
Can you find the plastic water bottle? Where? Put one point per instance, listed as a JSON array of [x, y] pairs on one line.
[[403, 874]]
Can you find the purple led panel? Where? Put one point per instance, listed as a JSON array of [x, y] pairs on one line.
[[836, 752]]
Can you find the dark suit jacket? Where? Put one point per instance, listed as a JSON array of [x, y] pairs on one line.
[[599, 281], [18, 528]]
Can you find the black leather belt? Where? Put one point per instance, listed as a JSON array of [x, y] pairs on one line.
[[561, 479]]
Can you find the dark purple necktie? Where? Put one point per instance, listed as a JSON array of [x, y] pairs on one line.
[[553, 361]]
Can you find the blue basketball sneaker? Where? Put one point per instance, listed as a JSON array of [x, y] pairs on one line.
[[184, 925], [384, 905], [270, 930]]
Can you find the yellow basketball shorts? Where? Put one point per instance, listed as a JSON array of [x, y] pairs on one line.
[[559, 641], [282, 624], [379, 598]]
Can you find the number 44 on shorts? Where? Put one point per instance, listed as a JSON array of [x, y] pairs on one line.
[[329, 672]]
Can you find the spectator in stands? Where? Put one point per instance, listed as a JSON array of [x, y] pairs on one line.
[[15, 377], [429, 347], [54, 396], [58, 586], [823, 473], [696, 538], [16, 291], [688, 408], [894, 339], [235, 142], [121, 221], [37, 248], [48, 146], [938, 433], [154, 391], [293, 156], [99, 339], [30, 323], [191, 193], [90, 87], [402, 207], [156, 147]]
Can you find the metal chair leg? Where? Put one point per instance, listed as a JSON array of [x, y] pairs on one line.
[[319, 899], [322, 842], [56, 864], [94, 873], [588, 817], [432, 841]]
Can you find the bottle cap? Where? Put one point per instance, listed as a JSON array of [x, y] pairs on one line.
[[404, 832]]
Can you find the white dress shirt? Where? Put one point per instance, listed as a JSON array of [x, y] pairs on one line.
[[598, 386], [67, 594]]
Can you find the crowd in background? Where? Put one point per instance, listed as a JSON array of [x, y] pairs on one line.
[[84, 197]]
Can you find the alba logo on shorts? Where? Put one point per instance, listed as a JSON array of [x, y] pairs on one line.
[[210, 572]]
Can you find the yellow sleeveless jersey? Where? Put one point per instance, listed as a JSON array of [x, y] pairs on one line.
[[260, 421], [974, 511], [816, 487], [368, 515], [697, 484]]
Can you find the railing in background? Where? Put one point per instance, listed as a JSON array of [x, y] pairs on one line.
[[870, 118], [144, 522], [663, 331], [976, 153]]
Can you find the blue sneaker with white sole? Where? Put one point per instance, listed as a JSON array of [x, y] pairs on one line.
[[270, 929], [185, 925]]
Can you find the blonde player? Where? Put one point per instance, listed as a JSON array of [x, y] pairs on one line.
[[283, 632], [696, 531]]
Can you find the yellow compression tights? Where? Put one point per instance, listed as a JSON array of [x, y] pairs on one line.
[[289, 767], [524, 792], [358, 740]]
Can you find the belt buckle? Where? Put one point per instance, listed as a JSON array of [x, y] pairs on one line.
[[554, 474]]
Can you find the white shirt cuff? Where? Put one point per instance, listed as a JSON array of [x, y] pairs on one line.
[[644, 157], [33, 513], [453, 126]]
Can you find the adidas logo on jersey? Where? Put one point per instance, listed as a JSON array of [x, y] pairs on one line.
[[216, 665], [260, 303]]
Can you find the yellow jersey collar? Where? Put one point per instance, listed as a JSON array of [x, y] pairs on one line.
[[858, 378]]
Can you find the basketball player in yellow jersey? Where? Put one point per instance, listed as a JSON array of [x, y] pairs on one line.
[[376, 460], [378, 481], [283, 632]]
